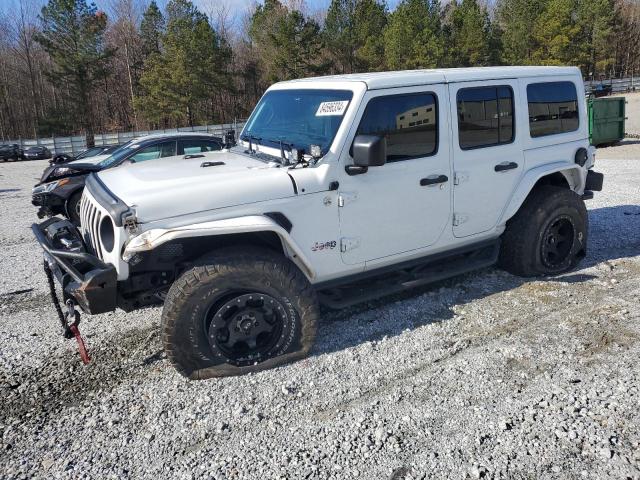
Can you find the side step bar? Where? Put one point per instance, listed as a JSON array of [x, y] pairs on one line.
[[433, 269]]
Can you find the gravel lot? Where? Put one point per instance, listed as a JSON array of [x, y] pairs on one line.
[[484, 376]]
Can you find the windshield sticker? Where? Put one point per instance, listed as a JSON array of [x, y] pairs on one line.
[[332, 108]]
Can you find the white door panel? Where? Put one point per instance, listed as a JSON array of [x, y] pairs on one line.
[[488, 160], [405, 204]]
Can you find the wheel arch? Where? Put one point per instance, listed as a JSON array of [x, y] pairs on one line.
[[570, 176], [262, 231]]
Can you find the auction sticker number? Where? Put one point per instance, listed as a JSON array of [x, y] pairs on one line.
[[332, 108]]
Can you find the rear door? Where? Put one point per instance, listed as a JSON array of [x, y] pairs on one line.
[[487, 152]]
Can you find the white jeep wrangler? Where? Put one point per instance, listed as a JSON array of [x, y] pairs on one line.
[[340, 189]]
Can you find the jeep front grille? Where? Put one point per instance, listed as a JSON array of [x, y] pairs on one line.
[[90, 216]]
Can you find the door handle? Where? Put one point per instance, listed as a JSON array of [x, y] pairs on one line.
[[504, 166], [433, 180]]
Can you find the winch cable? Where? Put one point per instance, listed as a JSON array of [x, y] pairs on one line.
[[69, 330]]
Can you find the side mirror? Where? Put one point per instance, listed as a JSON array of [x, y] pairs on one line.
[[367, 151]]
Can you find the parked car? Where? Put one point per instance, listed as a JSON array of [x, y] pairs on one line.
[[37, 153], [342, 189], [602, 90], [88, 153], [11, 152], [60, 187]]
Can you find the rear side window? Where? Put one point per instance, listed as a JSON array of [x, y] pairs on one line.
[[553, 108], [485, 116], [189, 147], [409, 123]]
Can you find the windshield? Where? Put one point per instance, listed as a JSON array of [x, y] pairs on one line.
[[298, 118], [90, 152], [119, 154]]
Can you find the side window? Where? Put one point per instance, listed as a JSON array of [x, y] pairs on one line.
[[553, 108], [165, 149], [409, 122], [189, 147], [485, 116]]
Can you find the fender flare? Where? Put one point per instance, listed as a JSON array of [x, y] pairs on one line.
[[153, 238], [573, 173]]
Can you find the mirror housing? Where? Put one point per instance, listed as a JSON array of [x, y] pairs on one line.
[[367, 151]]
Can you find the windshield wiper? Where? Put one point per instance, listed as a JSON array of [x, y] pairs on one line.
[[285, 160], [251, 139]]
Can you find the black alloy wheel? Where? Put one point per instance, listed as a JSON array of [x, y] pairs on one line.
[[245, 328], [557, 241]]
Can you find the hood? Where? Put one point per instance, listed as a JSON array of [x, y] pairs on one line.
[[176, 186], [71, 169]]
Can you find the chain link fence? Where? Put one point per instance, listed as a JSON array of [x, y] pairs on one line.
[[76, 144]]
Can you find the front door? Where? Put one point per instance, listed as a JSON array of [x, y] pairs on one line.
[[487, 152], [404, 205]]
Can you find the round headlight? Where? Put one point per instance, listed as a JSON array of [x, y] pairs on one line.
[[107, 234]]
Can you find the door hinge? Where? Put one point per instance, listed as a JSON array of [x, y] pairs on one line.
[[459, 177], [347, 244], [346, 197], [459, 218]]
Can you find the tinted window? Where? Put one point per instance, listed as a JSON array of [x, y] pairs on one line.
[[159, 150], [407, 121], [553, 108], [485, 116], [189, 147]]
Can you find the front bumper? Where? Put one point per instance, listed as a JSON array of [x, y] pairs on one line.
[[90, 282]]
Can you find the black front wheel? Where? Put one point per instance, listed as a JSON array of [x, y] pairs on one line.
[[238, 312], [73, 208], [548, 235]]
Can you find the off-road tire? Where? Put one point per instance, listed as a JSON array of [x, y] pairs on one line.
[[72, 207], [522, 242], [184, 332]]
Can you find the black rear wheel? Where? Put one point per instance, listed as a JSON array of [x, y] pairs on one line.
[[548, 235]]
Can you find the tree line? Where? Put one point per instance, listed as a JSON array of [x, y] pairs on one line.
[[69, 67]]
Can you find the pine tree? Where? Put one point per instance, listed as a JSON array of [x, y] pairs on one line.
[[517, 18], [595, 19], [352, 35], [287, 44], [413, 37], [73, 36], [370, 22], [556, 34], [189, 69], [339, 35], [151, 29], [469, 35]]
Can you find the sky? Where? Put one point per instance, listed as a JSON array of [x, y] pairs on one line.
[[237, 7]]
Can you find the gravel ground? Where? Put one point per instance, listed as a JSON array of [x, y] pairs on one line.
[[483, 376]]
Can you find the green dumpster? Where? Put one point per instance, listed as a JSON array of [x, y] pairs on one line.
[[606, 120]]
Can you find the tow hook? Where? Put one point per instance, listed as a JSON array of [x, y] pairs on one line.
[[71, 330], [70, 319]]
